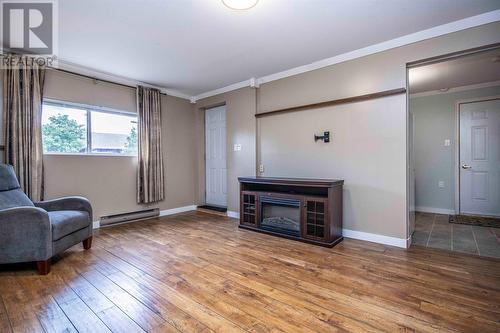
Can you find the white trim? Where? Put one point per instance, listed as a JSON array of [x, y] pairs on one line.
[[456, 163], [79, 69], [376, 238], [177, 210], [234, 215], [434, 210], [409, 241], [456, 89], [90, 154], [466, 23], [96, 224], [381, 239], [234, 86]]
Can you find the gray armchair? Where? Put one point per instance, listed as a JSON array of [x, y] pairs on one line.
[[36, 231]]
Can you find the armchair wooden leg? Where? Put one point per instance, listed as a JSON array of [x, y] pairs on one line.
[[87, 243], [43, 267]]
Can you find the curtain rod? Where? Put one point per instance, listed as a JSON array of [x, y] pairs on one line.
[[95, 78], [91, 77]]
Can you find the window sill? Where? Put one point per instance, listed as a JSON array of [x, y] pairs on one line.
[[91, 155]]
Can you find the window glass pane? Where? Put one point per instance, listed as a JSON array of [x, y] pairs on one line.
[[64, 129], [113, 133]]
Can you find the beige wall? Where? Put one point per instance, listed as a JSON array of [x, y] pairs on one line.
[[367, 150], [368, 147], [240, 123], [110, 181]]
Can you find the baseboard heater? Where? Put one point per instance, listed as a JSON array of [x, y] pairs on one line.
[[127, 217]]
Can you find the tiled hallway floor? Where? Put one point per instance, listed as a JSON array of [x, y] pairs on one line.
[[434, 230]]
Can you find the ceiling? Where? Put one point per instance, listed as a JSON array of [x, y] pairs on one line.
[[468, 70], [194, 46]]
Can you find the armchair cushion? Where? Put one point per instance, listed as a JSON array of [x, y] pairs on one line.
[[14, 198], [65, 222], [66, 203], [8, 179]]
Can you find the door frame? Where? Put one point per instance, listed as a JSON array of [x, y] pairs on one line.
[[204, 129], [458, 103], [418, 63]]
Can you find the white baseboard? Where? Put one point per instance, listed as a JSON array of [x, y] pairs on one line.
[[434, 210], [386, 240], [234, 215], [177, 210], [97, 224], [381, 239]]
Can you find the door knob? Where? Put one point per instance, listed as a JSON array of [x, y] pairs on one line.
[[466, 166]]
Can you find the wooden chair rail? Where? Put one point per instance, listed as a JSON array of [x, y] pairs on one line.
[[353, 99]]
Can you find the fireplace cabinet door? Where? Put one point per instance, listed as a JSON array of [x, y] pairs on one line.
[[249, 211], [315, 219]]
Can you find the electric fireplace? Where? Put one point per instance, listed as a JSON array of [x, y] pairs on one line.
[[280, 215], [309, 210]]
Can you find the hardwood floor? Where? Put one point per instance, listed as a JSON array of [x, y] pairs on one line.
[[197, 272]]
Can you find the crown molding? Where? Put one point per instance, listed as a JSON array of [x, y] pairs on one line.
[[444, 29], [235, 86], [79, 69], [456, 89]]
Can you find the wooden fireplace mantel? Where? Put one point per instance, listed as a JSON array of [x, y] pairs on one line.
[[318, 203]]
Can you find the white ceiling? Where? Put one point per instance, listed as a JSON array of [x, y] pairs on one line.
[[194, 46], [469, 70]]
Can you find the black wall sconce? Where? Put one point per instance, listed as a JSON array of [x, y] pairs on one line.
[[325, 137]]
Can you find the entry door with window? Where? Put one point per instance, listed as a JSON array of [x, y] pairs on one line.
[[480, 158], [215, 154]]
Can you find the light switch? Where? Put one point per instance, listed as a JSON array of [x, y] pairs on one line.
[[447, 142], [237, 147], [441, 184]]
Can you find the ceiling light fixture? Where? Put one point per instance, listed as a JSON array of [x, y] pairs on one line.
[[240, 4]]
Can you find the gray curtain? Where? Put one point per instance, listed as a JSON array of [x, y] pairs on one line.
[[22, 116], [150, 186]]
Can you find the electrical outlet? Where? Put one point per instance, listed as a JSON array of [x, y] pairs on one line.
[[447, 142], [261, 168], [237, 147], [441, 184]]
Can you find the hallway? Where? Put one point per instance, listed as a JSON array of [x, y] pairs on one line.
[[434, 231]]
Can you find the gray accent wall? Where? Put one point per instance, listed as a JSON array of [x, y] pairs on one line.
[[435, 121]]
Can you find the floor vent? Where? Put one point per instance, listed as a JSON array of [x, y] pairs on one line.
[[127, 217]]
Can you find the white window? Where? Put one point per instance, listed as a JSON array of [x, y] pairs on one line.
[[69, 128]]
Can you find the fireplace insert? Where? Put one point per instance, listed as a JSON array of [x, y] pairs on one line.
[[280, 215]]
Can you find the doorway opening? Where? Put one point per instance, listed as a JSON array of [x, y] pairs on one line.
[[454, 153], [215, 158]]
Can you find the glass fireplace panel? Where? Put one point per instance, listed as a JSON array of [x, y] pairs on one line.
[[280, 215]]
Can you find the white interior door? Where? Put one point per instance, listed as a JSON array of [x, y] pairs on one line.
[[215, 154], [480, 158]]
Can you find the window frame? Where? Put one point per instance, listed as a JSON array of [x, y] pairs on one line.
[[88, 108]]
